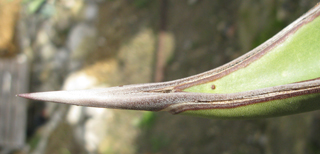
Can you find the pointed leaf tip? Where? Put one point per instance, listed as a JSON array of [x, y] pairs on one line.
[[21, 95], [25, 95]]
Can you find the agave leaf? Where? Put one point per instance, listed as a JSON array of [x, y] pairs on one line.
[[279, 77]]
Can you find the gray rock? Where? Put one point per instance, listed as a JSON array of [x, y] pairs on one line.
[[60, 60], [91, 12], [78, 34], [81, 42], [94, 135], [47, 52]]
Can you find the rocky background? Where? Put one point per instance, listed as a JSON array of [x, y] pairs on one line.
[[81, 44]]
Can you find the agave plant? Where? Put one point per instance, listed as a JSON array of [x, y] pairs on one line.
[[279, 77]]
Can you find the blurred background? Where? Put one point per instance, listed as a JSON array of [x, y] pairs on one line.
[[50, 45]]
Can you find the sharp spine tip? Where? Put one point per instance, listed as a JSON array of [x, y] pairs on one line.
[[25, 95]]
